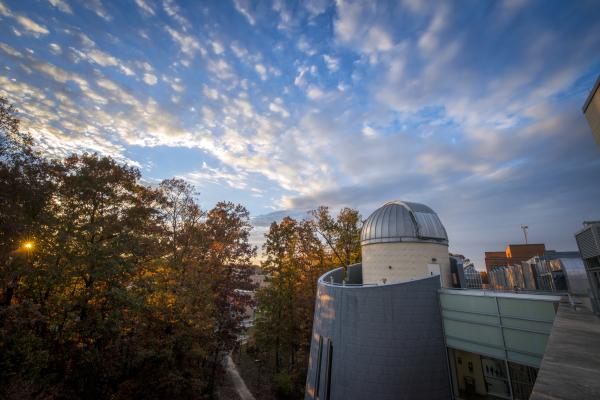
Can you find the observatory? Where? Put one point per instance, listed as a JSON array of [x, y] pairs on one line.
[[402, 241], [377, 332]]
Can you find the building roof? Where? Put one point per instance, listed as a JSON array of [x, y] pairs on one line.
[[591, 95], [402, 221]]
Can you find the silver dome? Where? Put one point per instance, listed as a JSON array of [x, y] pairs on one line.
[[401, 221]]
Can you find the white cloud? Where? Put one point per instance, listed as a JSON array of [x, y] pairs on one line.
[[430, 39], [314, 93], [31, 26], [243, 7], [55, 48], [277, 107], [5, 10], [97, 7], [369, 132], [333, 64], [285, 15], [62, 5], [107, 84], [145, 7], [233, 179], [174, 12], [361, 25], [150, 79], [220, 69], [315, 7], [217, 47], [102, 58], [210, 93], [188, 44], [300, 79], [261, 70], [305, 46]]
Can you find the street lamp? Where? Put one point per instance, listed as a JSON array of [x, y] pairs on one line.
[[28, 246]]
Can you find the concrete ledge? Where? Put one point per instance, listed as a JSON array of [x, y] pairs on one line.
[[571, 365]]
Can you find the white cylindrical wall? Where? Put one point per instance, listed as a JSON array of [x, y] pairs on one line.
[[408, 260]]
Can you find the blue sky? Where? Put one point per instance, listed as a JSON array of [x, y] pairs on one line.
[[471, 107]]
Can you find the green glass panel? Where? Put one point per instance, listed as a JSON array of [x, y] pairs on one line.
[[536, 326], [525, 341], [487, 335], [467, 303], [477, 318], [526, 308]]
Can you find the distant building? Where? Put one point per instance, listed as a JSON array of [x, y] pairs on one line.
[[464, 274], [591, 110], [513, 255]]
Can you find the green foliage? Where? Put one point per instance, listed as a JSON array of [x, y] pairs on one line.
[[284, 384], [128, 291]]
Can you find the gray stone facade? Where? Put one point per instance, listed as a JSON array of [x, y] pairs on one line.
[[386, 341]]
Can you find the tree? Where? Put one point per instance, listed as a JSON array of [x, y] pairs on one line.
[[341, 234], [228, 257], [296, 254], [25, 188]]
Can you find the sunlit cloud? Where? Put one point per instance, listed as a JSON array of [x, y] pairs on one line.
[[338, 103]]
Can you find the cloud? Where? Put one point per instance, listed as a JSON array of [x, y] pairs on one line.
[[233, 179], [243, 7], [210, 93], [363, 25], [5, 10], [98, 8], [150, 79], [55, 48], [316, 7], [188, 44], [62, 5], [465, 110], [173, 11], [314, 93], [31, 26], [332, 63], [277, 107], [145, 7], [102, 58], [220, 69], [261, 70], [217, 47]]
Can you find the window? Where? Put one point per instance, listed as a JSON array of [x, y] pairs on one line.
[[329, 364], [318, 369], [522, 379]]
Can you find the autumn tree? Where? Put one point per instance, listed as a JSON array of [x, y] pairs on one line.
[[25, 189], [296, 254], [342, 234], [228, 257], [128, 291]]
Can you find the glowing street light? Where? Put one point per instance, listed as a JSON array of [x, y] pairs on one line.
[[28, 246]]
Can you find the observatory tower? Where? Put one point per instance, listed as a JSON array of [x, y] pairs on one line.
[[402, 241]]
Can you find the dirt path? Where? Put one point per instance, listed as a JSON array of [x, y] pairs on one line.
[[238, 382]]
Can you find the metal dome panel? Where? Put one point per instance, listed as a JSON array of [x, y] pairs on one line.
[[398, 221]]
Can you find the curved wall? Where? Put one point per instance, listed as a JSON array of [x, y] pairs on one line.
[[408, 261], [385, 342]]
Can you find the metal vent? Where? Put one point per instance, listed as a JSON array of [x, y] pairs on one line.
[[587, 243]]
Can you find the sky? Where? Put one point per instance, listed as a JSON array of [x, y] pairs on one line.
[[471, 107]]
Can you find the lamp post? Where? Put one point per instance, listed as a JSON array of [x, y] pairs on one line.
[[525, 227], [26, 248]]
